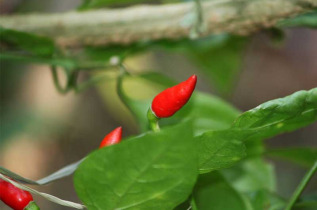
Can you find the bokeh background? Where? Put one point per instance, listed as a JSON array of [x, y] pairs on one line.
[[41, 130]]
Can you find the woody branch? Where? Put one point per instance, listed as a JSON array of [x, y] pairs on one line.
[[146, 23]]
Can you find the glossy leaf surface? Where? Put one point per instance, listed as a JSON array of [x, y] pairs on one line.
[[151, 171]]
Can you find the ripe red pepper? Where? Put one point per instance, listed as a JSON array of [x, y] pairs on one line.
[[169, 101], [16, 198], [113, 137]]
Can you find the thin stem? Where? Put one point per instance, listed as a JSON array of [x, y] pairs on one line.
[[57, 84], [91, 81], [301, 186], [153, 121]]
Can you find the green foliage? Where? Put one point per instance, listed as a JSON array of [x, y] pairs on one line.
[[264, 199], [219, 149], [255, 180], [21, 41], [159, 170], [302, 156], [153, 170], [278, 116], [251, 175], [222, 62], [213, 192]]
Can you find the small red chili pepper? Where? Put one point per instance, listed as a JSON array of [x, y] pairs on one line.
[[16, 198], [112, 138], [169, 101]]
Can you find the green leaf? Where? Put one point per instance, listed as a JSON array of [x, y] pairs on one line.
[[212, 192], [278, 116], [150, 171], [264, 199], [302, 156], [251, 175], [221, 63], [307, 202], [304, 20], [35, 45], [219, 149]]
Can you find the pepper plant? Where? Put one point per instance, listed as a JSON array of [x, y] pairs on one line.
[[194, 150]]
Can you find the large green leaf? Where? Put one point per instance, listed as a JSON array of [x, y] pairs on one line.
[[303, 156], [278, 116], [219, 149], [150, 171], [212, 192]]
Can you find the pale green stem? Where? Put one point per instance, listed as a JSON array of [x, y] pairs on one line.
[[153, 121], [301, 187]]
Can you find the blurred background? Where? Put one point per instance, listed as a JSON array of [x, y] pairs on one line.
[[42, 130]]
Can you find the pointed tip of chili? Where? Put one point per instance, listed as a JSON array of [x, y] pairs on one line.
[[113, 137], [169, 101]]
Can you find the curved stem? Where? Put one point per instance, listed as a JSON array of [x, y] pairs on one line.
[[57, 84], [301, 186]]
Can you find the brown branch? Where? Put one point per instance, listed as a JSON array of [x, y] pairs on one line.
[[143, 23]]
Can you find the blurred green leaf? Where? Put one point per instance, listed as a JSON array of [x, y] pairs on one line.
[[28, 43], [307, 202], [219, 149], [251, 175], [150, 171], [305, 20], [221, 63], [303, 156], [264, 199], [212, 192], [278, 116]]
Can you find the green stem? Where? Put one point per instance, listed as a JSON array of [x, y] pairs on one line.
[[301, 186], [153, 121], [57, 84], [32, 206]]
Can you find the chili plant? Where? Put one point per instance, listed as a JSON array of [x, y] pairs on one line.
[[194, 150]]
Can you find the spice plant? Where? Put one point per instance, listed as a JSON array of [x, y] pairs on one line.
[[194, 150]]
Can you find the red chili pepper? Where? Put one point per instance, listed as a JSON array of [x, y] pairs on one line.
[[112, 138], [16, 198], [169, 101]]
